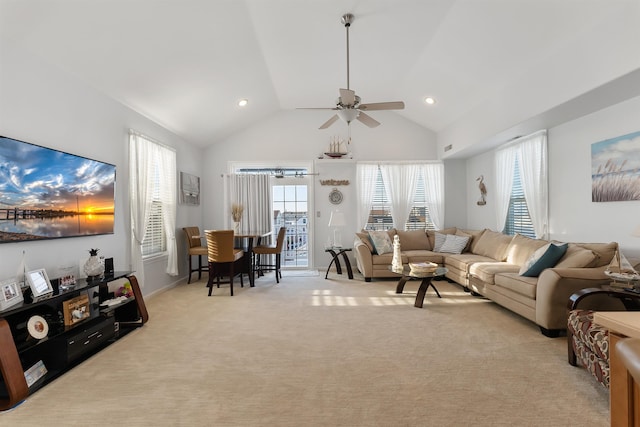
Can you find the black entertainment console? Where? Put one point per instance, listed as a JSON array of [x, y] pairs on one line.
[[29, 361]]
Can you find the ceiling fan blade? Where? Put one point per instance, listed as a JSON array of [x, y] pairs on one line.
[[368, 120], [329, 122], [347, 96], [316, 108], [397, 105]]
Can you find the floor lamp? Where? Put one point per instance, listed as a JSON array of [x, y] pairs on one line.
[[337, 220]]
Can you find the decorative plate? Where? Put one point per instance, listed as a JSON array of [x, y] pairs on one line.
[[335, 196]]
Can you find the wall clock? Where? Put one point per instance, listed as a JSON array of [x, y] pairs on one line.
[[335, 196]]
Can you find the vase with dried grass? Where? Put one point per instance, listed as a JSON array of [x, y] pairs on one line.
[[236, 213]]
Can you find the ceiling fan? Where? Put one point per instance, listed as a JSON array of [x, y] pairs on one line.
[[348, 105]]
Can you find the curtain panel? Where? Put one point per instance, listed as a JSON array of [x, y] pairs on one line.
[[400, 182], [533, 176], [433, 174], [531, 152], [505, 160], [144, 156], [253, 192], [365, 187]]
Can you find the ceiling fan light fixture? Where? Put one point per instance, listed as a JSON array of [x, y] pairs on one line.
[[243, 102], [430, 100], [348, 115]]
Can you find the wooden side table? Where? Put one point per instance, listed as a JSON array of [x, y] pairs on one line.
[[621, 324], [335, 254]]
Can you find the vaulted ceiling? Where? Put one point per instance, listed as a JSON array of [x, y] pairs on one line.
[[186, 63]]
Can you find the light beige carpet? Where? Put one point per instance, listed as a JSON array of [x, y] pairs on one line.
[[318, 352]]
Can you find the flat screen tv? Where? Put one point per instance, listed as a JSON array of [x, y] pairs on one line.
[[49, 194]]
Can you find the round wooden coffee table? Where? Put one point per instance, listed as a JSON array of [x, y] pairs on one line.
[[407, 275]]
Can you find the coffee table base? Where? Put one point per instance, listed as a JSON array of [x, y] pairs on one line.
[[422, 290]]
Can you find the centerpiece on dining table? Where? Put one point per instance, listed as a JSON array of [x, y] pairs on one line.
[[236, 213]]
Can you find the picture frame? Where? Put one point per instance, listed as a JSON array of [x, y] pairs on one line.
[[189, 189], [76, 309], [39, 283], [10, 294]]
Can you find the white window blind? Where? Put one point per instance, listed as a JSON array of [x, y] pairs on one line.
[[518, 219], [155, 241]]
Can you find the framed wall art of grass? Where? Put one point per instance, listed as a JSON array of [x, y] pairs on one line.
[[615, 169]]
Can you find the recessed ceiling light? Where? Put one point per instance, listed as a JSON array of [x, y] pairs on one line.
[[429, 100], [243, 102]]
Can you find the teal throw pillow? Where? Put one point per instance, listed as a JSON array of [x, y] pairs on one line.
[[381, 242], [545, 257]]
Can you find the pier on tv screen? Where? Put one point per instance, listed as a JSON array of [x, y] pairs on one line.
[[49, 194]]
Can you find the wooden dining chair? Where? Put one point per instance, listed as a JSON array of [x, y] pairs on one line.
[[262, 251], [194, 247], [224, 259]]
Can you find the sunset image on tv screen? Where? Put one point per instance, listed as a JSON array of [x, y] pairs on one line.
[[48, 194]]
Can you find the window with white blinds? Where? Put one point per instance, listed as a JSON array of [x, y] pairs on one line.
[[155, 241], [518, 219], [380, 215]]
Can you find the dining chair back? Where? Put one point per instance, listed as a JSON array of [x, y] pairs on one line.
[[223, 258], [195, 248], [262, 251]]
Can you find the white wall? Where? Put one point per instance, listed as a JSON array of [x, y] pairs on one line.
[[293, 136], [46, 106], [573, 216]]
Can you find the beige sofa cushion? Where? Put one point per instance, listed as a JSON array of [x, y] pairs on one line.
[[364, 236], [522, 285], [493, 245], [522, 248], [473, 239], [486, 271], [577, 257], [414, 240], [604, 251], [464, 260]]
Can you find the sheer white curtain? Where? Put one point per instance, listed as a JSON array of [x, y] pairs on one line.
[[400, 182], [366, 186], [505, 159], [532, 151], [144, 156], [253, 192], [168, 195], [140, 194], [433, 174]]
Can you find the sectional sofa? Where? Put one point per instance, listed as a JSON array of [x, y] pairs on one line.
[[510, 270]]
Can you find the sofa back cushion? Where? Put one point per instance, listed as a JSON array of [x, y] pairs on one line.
[[521, 248], [474, 235], [364, 237], [604, 251], [493, 244], [414, 240], [577, 257]]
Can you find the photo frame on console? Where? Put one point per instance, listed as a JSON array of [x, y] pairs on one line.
[[10, 294], [39, 283]]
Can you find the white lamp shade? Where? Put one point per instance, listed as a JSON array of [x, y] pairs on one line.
[[337, 219], [636, 232], [348, 115]]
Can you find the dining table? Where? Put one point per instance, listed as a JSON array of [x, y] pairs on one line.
[[247, 240]]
